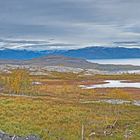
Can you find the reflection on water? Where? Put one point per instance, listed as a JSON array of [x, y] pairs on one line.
[[113, 84]]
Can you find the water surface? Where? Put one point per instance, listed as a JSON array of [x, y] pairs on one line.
[[113, 84], [134, 61]]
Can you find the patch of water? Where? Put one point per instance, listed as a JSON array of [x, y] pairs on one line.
[[113, 84], [131, 61], [36, 83]]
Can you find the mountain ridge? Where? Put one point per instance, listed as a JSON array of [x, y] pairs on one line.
[[104, 53], [86, 53]]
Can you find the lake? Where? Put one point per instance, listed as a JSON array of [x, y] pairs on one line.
[[113, 84], [135, 62]]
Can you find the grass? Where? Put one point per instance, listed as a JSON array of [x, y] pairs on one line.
[[57, 114], [52, 119]]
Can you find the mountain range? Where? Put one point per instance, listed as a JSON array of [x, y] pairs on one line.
[[104, 53], [86, 53]]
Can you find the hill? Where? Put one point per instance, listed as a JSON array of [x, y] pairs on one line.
[[67, 62]]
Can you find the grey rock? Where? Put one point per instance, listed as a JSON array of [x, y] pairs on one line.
[[32, 137], [4, 136]]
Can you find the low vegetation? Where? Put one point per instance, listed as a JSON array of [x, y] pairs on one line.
[[52, 108]]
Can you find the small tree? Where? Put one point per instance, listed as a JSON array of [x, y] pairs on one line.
[[19, 82]]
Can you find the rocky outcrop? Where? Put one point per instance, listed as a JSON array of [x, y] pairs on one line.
[[4, 136]]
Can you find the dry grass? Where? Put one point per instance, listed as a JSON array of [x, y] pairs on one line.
[[57, 114], [54, 119]]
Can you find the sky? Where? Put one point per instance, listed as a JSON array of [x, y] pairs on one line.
[[69, 24]]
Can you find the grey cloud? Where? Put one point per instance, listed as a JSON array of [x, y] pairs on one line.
[[23, 41], [78, 22], [33, 45], [128, 43]]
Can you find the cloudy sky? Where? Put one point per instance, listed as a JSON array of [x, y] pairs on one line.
[[66, 24]]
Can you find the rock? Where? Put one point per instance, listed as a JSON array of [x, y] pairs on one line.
[[17, 138], [4, 136], [32, 137]]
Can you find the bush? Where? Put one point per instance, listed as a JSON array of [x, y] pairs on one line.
[[18, 82]]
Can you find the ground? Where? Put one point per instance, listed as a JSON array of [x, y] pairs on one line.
[[55, 111]]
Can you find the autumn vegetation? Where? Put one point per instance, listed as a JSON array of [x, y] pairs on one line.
[[18, 82], [54, 111]]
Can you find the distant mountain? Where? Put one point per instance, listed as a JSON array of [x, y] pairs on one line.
[[18, 54], [86, 53], [104, 53], [25, 54]]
